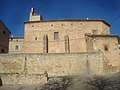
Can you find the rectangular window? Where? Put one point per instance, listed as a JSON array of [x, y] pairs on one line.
[[16, 47], [56, 35], [4, 32], [2, 50], [106, 47], [35, 38]]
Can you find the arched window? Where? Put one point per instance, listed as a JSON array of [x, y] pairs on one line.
[[67, 47]]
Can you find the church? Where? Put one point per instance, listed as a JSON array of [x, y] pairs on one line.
[[62, 47], [66, 36]]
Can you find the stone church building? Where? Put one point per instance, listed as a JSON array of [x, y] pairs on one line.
[[65, 36], [60, 48]]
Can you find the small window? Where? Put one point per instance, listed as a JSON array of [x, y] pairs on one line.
[[118, 47], [106, 47], [35, 38], [56, 35], [94, 32], [11, 39], [2, 50], [4, 32], [16, 47], [62, 24]]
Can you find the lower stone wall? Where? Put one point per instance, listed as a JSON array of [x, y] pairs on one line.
[[64, 64], [12, 78], [31, 68]]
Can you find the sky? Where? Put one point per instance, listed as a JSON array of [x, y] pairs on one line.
[[15, 12]]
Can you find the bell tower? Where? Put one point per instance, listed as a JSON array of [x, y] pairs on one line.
[[31, 13], [33, 16]]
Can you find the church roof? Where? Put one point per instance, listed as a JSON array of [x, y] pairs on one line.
[[76, 20]]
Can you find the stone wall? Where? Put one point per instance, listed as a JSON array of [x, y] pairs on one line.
[[21, 66], [15, 78]]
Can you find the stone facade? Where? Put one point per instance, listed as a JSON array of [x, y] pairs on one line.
[[75, 30], [4, 38], [16, 44], [68, 36], [72, 36], [60, 36]]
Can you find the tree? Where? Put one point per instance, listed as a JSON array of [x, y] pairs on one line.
[[100, 82], [57, 83]]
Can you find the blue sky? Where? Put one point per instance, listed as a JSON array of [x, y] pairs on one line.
[[14, 12]]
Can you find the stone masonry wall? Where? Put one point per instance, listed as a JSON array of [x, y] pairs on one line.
[[13, 42], [30, 68], [75, 30], [15, 78], [111, 54]]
